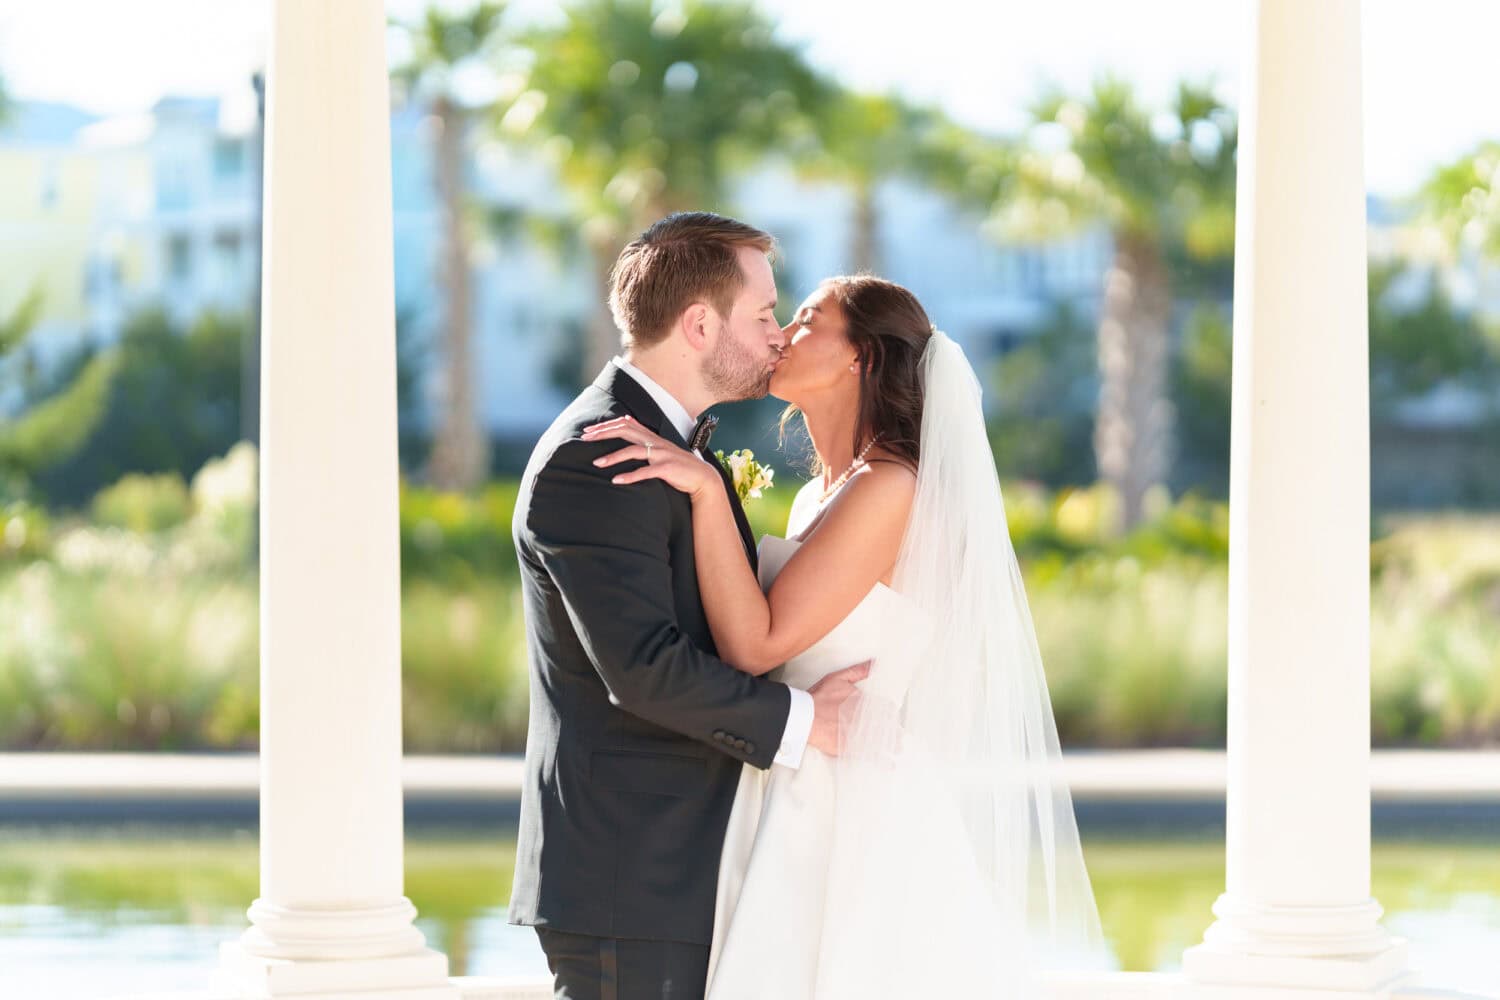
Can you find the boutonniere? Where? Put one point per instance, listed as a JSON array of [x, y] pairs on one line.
[[749, 476]]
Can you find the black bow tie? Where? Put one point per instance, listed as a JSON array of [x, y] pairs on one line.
[[702, 431]]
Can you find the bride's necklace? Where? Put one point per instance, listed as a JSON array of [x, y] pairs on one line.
[[853, 467]]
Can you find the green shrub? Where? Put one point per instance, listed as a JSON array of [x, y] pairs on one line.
[[142, 503], [1135, 654], [171, 402], [463, 667], [1435, 632], [118, 640], [455, 537], [25, 532], [119, 661]]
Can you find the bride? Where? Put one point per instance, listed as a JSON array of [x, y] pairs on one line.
[[938, 853]]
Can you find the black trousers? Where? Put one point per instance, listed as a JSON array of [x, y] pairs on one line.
[[595, 968]]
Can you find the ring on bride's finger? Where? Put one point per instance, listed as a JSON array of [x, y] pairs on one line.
[[648, 451]]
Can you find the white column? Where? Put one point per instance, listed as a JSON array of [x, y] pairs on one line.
[[331, 918], [1297, 910]]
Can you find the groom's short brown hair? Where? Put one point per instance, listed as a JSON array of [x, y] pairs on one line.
[[685, 258]]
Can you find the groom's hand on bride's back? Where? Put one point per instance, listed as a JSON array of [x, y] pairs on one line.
[[829, 696]]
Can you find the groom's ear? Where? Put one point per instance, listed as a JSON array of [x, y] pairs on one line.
[[694, 324]]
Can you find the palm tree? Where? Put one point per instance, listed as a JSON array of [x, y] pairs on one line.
[[1156, 183], [865, 139], [649, 110], [53, 427], [58, 417], [1463, 199], [444, 46], [1415, 346]]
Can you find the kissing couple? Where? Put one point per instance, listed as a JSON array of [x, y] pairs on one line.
[[821, 767]]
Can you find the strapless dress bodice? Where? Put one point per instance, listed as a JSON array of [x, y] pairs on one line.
[[884, 624]]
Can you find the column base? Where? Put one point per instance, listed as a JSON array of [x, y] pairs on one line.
[[332, 933], [418, 975], [1341, 948]]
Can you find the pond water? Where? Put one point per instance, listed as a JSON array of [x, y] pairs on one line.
[[91, 913]]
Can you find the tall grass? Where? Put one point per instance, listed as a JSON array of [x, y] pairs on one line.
[[113, 638]]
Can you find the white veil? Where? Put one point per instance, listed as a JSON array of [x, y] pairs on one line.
[[953, 821]]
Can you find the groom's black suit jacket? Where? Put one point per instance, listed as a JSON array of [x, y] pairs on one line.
[[638, 732]]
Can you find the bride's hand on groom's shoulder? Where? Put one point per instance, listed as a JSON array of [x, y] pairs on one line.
[[677, 467], [830, 711]]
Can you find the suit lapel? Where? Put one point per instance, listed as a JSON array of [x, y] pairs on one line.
[[747, 535], [630, 394]]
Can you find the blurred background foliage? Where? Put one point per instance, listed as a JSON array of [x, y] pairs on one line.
[[137, 623], [127, 471]]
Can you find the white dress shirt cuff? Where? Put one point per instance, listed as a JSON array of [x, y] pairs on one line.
[[799, 720]]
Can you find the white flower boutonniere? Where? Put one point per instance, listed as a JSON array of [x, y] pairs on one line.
[[750, 477]]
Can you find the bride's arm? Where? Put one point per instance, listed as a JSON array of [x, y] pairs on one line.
[[853, 548]]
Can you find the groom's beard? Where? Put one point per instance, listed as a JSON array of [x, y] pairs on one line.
[[733, 372]]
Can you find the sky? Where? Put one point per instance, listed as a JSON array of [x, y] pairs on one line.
[[1429, 64]]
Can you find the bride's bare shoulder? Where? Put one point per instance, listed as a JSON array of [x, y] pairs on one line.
[[891, 465], [885, 485], [877, 498], [868, 517]]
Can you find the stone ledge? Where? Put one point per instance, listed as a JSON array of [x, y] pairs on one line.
[[1395, 775]]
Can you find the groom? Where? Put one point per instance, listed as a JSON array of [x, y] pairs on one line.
[[638, 732]]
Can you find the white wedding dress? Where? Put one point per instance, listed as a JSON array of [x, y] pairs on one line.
[[938, 854], [774, 867]]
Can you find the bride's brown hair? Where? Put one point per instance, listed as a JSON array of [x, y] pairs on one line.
[[889, 330]]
